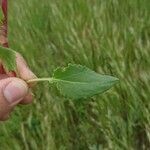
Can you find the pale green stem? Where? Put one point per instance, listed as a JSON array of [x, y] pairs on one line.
[[40, 80]]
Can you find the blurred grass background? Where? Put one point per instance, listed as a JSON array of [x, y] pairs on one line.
[[110, 37]]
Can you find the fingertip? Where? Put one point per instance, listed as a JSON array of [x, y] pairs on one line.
[[25, 73], [14, 90], [23, 69]]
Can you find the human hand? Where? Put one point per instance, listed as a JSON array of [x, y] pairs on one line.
[[14, 90]]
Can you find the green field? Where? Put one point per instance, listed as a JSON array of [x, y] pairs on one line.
[[109, 36]]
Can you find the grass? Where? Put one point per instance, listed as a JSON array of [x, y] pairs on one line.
[[110, 37]]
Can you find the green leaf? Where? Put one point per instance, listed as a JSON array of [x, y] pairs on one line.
[[76, 81], [8, 58]]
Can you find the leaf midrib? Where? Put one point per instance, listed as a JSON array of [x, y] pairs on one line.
[[74, 82]]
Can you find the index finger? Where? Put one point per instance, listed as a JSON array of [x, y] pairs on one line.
[[23, 69]]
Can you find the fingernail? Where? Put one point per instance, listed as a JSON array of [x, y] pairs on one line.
[[15, 91]]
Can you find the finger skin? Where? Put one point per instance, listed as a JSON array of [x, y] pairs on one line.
[[23, 69], [24, 73], [3, 76], [5, 106], [6, 117], [27, 100]]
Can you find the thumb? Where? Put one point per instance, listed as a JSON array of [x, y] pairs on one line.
[[12, 91]]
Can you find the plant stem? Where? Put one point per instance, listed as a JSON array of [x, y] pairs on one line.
[[40, 80]]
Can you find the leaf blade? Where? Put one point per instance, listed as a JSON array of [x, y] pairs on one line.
[[76, 81], [8, 57]]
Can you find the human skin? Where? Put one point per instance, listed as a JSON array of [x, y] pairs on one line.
[[13, 89]]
